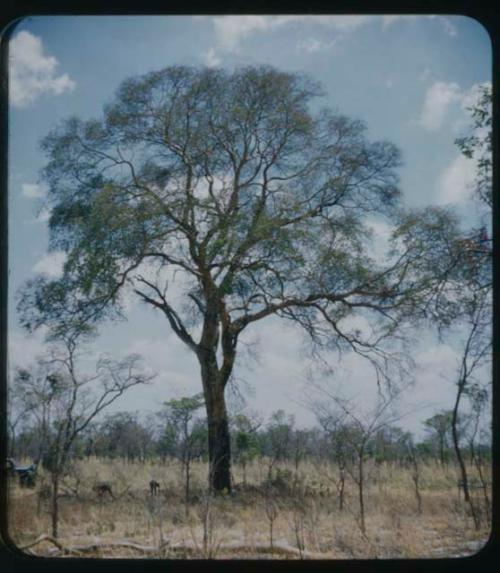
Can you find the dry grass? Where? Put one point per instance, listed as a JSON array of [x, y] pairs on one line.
[[307, 522]]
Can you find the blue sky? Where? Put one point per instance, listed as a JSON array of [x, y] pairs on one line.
[[409, 78]]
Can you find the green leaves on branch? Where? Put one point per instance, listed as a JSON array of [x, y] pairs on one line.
[[231, 182]]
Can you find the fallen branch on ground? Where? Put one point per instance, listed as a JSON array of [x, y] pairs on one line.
[[277, 548], [43, 537]]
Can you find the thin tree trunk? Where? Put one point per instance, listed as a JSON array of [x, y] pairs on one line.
[[458, 453], [361, 493], [484, 485], [456, 445], [341, 488], [417, 491], [55, 505], [188, 480], [416, 482]]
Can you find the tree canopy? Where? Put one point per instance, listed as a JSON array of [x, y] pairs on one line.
[[231, 180]]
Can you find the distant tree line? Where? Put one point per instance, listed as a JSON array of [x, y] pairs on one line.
[[177, 434]]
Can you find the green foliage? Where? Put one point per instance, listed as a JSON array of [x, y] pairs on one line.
[[440, 422], [183, 434], [477, 144], [184, 408], [126, 193], [247, 446]]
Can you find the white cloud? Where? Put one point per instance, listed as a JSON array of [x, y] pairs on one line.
[[378, 243], [32, 72], [175, 366], [441, 96], [469, 100], [450, 29], [471, 97], [231, 31], [357, 326], [454, 185], [51, 264], [437, 359], [391, 19], [438, 98], [433, 389], [312, 45], [178, 281], [446, 23], [32, 190], [211, 58], [277, 375], [24, 348], [43, 215]]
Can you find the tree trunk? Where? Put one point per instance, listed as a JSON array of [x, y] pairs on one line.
[[416, 480], [341, 488], [456, 445], [188, 484], [219, 445], [441, 449], [214, 383], [55, 505], [361, 497], [484, 485], [360, 490], [458, 453]]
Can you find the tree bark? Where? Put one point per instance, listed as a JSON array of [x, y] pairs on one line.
[[458, 453], [188, 484], [219, 444], [361, 492], [341, 488], [456, 445], [55, 505]]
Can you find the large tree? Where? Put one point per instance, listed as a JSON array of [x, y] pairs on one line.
[[238, 186]]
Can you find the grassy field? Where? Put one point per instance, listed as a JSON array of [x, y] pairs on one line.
[[295, 516]]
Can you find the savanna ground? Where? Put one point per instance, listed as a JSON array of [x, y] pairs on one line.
[[303, 509]]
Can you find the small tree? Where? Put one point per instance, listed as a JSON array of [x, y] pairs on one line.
[[18, 413], [479, 452], [65, 401], [122, 434], [412, 456], [335, 448], [357, 430], [278, 438], [438, 428], [167, 440], [475, 353], [246, 443], [190, 434]]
